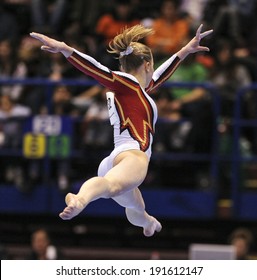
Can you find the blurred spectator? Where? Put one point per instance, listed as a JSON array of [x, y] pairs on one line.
[[228, 74], [193, 11], [29, 52], [210, 11], [189, 107], [155, 255], [11, 68], [62, 102], [97, 132], [170, 29], [82, 24], [85, 13], [83, 100], [3, 252], [62, 106], [8, 25], [55, 67], [49, 17], [20, 9], [110, 24], [236, 20], [242, 239], [11, 116], [42, 247], [41, 65]]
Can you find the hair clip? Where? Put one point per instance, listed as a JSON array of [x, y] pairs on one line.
[[128, 51]]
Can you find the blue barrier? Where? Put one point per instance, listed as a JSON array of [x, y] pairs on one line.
[[161, 203]]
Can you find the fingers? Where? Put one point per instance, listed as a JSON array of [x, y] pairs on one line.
[[48, 43], [43, 38], [33, 34], [198, 31], [203, 49], [206, 33], [38, 36], [200, 35], [49, 49]]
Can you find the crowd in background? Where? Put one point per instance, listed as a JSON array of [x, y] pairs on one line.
[[89, 25]]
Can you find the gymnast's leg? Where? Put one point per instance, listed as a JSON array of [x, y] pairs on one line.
[[129, 171], [135, 211]]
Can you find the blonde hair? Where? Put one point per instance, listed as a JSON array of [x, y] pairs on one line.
[[129, 51]]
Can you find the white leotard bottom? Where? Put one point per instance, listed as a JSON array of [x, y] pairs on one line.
[[107, 163]]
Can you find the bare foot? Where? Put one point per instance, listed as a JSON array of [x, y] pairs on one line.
[[152, 227], [74, 207]]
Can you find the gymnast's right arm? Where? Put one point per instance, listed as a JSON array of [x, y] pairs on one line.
[[81, 61]]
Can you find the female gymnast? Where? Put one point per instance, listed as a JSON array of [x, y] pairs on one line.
[[132, 113]]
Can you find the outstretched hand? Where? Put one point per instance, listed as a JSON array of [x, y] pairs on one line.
[[52, 45], [194, 45]]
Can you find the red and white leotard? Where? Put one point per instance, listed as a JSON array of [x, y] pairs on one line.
[[132, 111]]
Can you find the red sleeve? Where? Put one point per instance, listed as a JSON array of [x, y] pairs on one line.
[[163, 72], [92, 68]]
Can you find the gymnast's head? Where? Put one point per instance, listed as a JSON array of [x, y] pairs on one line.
[[131, 53]]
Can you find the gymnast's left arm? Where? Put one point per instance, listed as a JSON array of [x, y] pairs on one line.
[[194, 45], [165, 70], [52, 45]]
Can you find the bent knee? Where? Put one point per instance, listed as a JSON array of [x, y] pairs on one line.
[[116, 189]]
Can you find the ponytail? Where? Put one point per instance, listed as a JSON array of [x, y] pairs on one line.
[[128, 50]]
